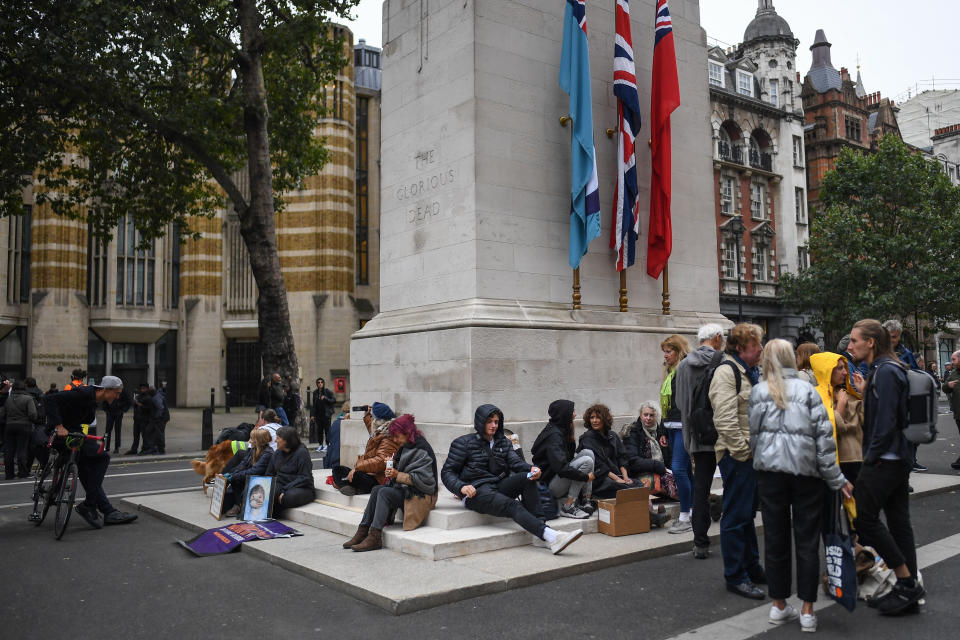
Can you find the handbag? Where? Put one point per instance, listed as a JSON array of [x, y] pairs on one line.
[[841, 578]]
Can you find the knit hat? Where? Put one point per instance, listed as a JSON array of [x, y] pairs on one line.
[[405, 425], [381, 411], [109, 382]]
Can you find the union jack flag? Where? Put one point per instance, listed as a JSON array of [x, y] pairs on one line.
[[626, 222]]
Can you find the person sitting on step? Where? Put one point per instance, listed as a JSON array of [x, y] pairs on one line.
[[368, 472], [568, 475]]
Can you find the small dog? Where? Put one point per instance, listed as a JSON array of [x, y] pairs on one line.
[[217, 458]]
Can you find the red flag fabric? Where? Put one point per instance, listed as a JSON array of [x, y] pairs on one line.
[[664, 98]]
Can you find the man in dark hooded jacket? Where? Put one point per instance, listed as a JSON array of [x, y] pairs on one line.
[[484, 469], [564, 472]]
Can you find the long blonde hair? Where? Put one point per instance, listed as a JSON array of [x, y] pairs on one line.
[[260, 439], [676, 343], [777, 356]]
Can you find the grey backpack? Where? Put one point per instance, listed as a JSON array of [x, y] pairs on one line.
[[921, 427]]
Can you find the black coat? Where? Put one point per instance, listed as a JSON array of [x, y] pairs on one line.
[[473, 461], [608, 452], [293, 470], [553, 449], [71, 408], [636, 446], [885, 412]]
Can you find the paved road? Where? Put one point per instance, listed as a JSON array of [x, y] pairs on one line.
[[134, 580]]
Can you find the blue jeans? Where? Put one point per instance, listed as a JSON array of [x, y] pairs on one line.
[[282, 415], [682, 469], [738, 536]]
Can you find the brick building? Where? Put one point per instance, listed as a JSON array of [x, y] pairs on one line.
[[184, 316], [757, 127]]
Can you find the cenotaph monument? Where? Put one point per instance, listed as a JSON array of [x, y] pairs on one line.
[[475, 283]]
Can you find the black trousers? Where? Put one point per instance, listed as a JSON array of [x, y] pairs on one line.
[[362, 482], [382, 505], [292, 498], [138, 424], [112, 430], [704, 466], [16, 439], [500, 500], [884, 486], [323, 429], [785, 497]]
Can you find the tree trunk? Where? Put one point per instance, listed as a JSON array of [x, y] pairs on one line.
[[257, 219]]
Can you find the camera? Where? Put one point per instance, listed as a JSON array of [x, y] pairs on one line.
[[362, 408]]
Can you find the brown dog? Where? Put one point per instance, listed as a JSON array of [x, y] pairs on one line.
[[217, 458]]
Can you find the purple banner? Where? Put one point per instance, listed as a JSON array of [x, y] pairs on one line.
[[214, 542]]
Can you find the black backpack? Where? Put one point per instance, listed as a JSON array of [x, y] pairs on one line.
[[701, 411]]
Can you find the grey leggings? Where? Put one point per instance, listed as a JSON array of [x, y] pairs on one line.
[[571, 488], [383, 503]]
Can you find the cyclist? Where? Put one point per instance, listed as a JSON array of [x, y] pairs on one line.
[[66, 412]]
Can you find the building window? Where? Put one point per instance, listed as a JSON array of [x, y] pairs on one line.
[[727, 190], [363, 195], [797, 151], [775, 93], [716, 73], [728, 261], [803, 258], [764, 267], [96, 269], [800, 208], [18, 256], [171, 274], [745, 83], [136, 266], [853, 128], [756, 200]]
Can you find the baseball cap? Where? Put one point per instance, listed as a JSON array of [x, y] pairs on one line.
[[109, 382]]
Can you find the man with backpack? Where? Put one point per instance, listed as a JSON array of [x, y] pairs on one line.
[[883, 483], [693, 387], [953, 393], [729, 398]]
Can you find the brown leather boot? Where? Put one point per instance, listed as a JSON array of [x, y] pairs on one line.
[[372, 542], [358, 537]]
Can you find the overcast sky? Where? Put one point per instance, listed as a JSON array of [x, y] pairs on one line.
[[900, 44]]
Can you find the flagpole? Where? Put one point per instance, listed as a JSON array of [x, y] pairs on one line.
[[623, 290], [666, 290], [576, 288]]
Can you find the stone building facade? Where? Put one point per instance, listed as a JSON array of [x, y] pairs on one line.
[[184, 316], [760, 202]]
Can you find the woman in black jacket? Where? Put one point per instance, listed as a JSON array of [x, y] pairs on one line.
[[255, 462], [293, 469], [568, 475], [610, 459]]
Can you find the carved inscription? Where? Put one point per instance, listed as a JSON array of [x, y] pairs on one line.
[[423, 194]]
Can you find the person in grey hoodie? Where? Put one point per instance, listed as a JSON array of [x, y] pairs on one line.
[[689, 373], [20, 414], [794, 453]]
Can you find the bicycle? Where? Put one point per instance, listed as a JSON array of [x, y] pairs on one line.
[[56, 482]]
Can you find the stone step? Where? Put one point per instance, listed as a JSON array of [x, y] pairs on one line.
[[432, 542]]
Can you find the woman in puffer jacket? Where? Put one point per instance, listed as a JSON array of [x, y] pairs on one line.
[[794, 453], [412, 484]]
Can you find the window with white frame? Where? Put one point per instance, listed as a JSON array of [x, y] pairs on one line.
[[745, 83], [764, 267], [799, 206], [715, 73], [729, 256], [727, 190], [757, 210], [797, 151], [803, 258], [136, 267], [775, 93]]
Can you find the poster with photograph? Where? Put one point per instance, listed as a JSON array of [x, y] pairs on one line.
[[258, 498], [216, 502]]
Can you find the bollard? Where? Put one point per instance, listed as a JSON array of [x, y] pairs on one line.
[[206, 430], [212, 399], [226, 401]]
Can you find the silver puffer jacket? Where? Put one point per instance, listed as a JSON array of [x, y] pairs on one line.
[[798, 440]]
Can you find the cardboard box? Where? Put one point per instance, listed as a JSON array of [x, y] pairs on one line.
[[625, 515]]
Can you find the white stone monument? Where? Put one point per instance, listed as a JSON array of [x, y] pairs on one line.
[[475, 286]]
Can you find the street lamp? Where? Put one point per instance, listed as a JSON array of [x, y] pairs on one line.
[[736, 227]]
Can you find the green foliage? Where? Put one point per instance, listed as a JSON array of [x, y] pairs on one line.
[[113, 107], [884, 245]]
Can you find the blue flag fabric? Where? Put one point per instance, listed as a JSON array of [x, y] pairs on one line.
[[575, 81]]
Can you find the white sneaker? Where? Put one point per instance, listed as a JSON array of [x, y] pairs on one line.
[[681, 526], [780, 616], [564, 540], [808, 622], [538, 542]]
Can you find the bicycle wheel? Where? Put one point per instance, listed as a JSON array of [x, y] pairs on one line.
[[65, 498], [42, 486]]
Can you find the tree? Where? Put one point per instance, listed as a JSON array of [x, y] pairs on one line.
[[150, 109], [885, 244]]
